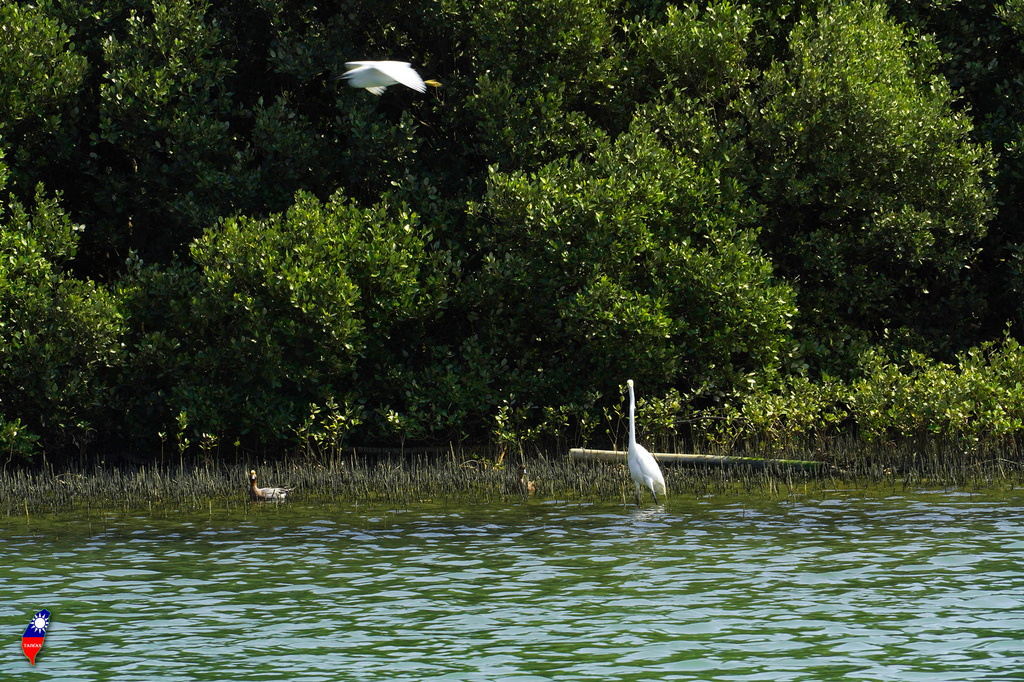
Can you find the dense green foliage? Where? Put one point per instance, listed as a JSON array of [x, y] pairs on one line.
[[876, 200], [58, 333], [977, 398], [260, 329], [788, 220]]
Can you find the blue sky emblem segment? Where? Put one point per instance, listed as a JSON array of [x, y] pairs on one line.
[[37, 628]]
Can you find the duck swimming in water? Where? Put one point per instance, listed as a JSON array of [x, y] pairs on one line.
[[261, 494]]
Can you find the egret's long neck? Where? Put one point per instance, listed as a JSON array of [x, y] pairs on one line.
[[632, 419]]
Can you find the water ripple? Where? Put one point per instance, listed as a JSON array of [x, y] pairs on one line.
[[917, 587]]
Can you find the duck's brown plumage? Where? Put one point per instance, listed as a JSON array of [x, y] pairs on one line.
[[526, 486], [261, 494]]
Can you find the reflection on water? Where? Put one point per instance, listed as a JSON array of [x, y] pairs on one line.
[[925, 587]]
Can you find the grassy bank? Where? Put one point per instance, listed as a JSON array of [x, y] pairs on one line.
[[481, 478]]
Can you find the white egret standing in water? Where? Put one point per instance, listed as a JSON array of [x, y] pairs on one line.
[[377, 76], [642, 466]]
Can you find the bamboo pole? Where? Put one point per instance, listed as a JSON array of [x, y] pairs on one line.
[[587, 455]]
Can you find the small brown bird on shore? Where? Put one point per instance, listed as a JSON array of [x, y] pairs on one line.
[[261, 494], [526, 486]]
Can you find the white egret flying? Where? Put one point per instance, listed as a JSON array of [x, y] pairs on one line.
[[261, 494], [642, 466], [377, 76]]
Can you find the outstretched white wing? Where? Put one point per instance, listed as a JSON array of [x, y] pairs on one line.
[[376, 76]]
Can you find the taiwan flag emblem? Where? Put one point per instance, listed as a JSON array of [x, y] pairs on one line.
[[32, 640]]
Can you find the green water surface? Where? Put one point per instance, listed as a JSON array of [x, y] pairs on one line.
[[923, 586]]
